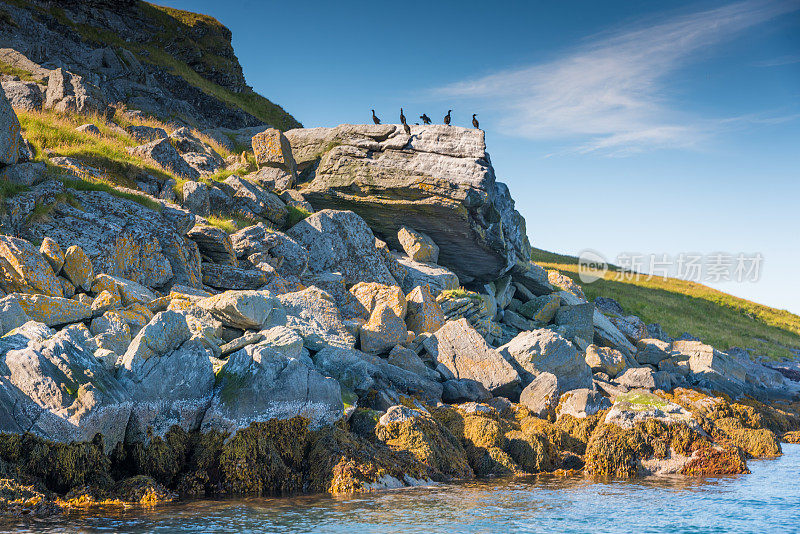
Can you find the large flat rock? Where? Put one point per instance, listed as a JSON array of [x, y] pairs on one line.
[[438, 181]]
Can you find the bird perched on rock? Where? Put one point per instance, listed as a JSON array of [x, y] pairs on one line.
[[475, 121], [375, 119], [447, 117], [425, 119], [402, 117], [407, 128]]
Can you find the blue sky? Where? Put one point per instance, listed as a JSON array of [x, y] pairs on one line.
[[645, 127]]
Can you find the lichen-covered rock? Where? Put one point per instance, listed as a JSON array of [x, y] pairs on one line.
[[162, 153], [423, 314], [78, 268], [259, 383], [605, 360], [543, 350], [52, 311], [651, 351], [111, 332], [251, 199], [418, 246], [51, 252], [371, 295], [272, 149], [58, 390], [383, 331], [105, 301], [459, 348], [245, 309], [124, 238], [195, 197], [341, 241], [542, 309], [257, 239], [129, 291], [24, 270], [228, 277], [313, 314], [12, 315], [581, 403], [439, 182]]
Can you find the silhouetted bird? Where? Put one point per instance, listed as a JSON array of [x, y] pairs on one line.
[[475, 121], [402, 117], [407, 128], [447, 117], [425, 119], [375, 119]]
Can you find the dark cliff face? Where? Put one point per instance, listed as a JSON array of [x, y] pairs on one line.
[[171, 63]]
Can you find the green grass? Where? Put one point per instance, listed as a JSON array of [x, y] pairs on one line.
[[296, 214], [22, 74], [717, 318]]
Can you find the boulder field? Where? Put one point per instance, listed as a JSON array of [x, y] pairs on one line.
[[396, 334]]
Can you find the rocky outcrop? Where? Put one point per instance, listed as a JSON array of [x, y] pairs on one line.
[[438, 181]]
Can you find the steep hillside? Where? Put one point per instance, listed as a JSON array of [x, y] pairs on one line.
[[176, 65]]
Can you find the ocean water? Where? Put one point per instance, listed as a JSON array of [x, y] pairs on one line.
[[766, 501]]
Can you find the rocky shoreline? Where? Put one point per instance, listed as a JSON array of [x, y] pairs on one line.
[[376, 322]]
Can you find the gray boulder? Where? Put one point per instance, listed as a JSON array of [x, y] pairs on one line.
[[245, 309], [221, 276], [417, 273], [214, 244], [146, 134], [52, 386], [462, 350], [651, 351], [644, 378], [341, 241], [258, 383], [168, 389], [162, 153], [581, 403], [541, 395], [251, 199], [576, 321], [543, 350], [195, 197], [9, 132], [26, 174], [313, 314], [22, 94]]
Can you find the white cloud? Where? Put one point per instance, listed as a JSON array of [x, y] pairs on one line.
[[609, 94]]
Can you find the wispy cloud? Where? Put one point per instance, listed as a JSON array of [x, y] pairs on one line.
[[609, 95]]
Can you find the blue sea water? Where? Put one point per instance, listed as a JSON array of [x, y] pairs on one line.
[[765, 501]]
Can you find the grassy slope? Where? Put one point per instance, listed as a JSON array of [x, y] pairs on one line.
[[53, 134], [679, 306], [174, 23]]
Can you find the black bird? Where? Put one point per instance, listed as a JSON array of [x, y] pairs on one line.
[[375, 119], [407, 128], [402, 117], [447, 117], [475, 121], [425, 119]]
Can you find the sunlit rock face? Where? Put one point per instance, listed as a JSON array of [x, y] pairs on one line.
[[439, 181]]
